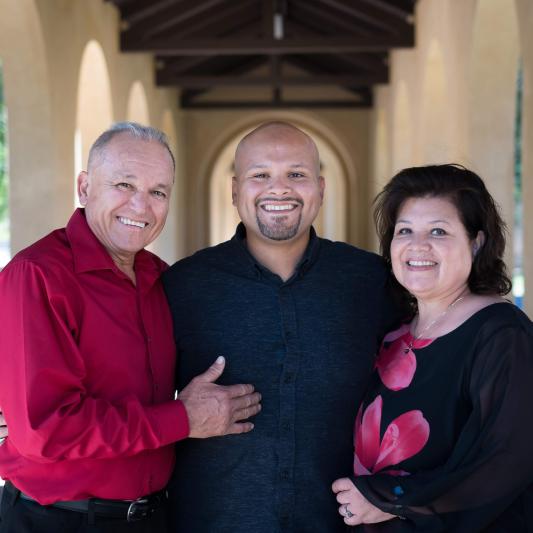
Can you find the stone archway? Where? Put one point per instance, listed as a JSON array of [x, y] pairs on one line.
[[137, 110], [94, 111]]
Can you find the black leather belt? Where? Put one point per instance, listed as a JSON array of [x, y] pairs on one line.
[[131, 511]]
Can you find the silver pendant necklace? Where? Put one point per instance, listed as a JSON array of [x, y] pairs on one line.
[[431, 324]]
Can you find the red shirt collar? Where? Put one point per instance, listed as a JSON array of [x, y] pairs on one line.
[[90, 254]]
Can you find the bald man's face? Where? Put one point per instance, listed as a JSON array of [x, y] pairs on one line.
[[277, 188]]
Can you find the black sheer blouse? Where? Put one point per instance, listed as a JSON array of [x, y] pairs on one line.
[[444, 438]]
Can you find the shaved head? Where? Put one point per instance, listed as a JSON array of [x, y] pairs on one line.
[[280, 132], [277, 187]]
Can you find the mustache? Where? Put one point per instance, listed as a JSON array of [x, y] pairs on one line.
[[279, 200]]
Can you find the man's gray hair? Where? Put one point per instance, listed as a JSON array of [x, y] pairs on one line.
[[133, 129]]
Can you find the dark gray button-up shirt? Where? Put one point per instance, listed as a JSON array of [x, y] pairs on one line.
[[308, 346]]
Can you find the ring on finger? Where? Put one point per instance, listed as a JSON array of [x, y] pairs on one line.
[[347, 512]]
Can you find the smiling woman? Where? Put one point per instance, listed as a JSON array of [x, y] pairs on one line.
[[445, 420]]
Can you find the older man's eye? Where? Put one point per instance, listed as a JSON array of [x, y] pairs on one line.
[[296, 175], [159, 194], [124, 185]]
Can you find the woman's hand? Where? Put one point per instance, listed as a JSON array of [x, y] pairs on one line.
[[355, 508]]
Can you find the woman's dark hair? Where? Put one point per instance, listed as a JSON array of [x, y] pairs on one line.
[[477, 210]]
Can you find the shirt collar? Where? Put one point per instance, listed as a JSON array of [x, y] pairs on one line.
[[309, 257], [89, 253]]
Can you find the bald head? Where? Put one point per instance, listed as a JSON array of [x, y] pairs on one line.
[[276, 133]]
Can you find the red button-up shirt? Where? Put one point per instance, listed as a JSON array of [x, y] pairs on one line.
[[86, 372]]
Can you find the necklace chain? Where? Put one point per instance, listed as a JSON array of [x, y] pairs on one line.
[[432, 323]]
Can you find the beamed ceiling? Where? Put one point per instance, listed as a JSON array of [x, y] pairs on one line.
[[277, 53]]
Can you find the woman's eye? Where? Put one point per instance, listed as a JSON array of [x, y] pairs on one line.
[[403, 231], [438, 231]]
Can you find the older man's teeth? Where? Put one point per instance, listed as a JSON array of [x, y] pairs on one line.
[[282, 207], [421, 263], [130, 222]]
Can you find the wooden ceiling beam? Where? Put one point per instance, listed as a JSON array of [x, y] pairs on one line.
[[372, 15], [136, 12], [405, 13], [171, 18], [324, 14], [232, 46], [198, 82], [275, 104], [223, 21]]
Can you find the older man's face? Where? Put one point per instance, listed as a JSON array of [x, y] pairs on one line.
[[277, 188], [126, 195]]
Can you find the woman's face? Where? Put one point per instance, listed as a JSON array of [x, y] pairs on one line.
[[431, 252]]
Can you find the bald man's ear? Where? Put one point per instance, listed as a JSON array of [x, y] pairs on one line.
[[83, 186], [322, 185], [233, 190]]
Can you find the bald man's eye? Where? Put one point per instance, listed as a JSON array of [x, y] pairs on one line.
[[296, 175], [260, 176], [124, 186]]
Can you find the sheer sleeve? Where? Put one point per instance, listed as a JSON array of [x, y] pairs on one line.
[[492, 462]]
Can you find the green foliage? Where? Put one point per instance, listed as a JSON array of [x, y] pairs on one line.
[[3, 152]]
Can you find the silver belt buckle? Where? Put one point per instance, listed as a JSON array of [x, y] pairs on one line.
[[138, 510]]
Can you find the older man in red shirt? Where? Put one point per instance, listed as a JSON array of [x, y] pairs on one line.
[[87, 357]]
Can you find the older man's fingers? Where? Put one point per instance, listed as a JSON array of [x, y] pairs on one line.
[[244, 414], [240, 427], [242, 389], [244, 402]]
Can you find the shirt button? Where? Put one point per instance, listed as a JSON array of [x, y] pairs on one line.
[[286, 426], [285, 474]]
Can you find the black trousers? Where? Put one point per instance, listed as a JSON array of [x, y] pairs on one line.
[[22, 516]]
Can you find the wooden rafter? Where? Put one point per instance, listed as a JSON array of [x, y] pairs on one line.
[[228, 46], [203, 44]]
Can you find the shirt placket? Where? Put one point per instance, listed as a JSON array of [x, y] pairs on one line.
[[287, 392], [149, 354]]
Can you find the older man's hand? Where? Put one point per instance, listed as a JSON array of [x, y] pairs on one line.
[[215, 410]]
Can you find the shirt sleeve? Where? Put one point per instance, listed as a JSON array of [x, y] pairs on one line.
[[491, 464], [50, 414]]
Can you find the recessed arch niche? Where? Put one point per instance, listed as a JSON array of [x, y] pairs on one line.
[[94, 112], [332, 220]]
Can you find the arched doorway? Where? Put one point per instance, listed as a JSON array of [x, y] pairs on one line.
[[170, 245], [94, 104], [332, 221], [138, 104]]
